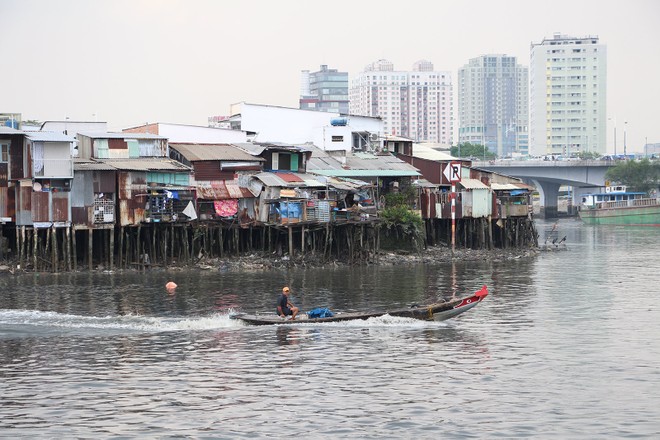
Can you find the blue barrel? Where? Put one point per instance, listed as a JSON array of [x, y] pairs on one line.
[[339, 122]]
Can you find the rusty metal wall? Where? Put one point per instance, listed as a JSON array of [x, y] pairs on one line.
[[16, 157], [11, 200], [129, 214], [60, 206], [132, 197], [4, 202], [430, 169], [80, 216], [117, 144], [4, 183], [39, 209], [208, 170], [104, 181], [27, 172], [4, 174]]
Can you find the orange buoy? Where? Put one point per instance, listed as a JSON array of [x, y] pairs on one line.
[[171, 286]]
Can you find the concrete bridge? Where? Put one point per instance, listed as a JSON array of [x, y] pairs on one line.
[[548, 175]]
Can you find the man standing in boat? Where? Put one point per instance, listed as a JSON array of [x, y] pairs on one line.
[[286, 307]]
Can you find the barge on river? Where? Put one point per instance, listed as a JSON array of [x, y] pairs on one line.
[[617, 206]]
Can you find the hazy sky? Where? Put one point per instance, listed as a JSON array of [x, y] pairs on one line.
[[134, 61]]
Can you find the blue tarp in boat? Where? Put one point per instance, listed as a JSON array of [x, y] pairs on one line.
[[320, 312]]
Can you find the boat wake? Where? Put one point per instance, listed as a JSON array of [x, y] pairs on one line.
[[29, 323], [374, 322], [13, 322]]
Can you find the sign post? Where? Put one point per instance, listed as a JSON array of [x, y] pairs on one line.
[[453, 174]]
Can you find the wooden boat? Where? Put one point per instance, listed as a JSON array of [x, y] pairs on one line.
[[432, 312], [616, 206]]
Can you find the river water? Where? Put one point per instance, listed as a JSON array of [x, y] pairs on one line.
[[565, 346]]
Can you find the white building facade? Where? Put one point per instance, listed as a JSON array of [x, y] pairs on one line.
[[334, 133], [568, 79], [416, 104], [493, 104]]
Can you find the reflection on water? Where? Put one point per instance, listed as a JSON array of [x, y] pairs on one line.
[[564, 346]]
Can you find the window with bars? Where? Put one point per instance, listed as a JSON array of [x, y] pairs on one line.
[[104, 209]]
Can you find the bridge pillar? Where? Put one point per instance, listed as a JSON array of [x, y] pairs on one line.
[[548, 193]]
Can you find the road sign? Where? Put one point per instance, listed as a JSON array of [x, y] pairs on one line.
[[453, 172]]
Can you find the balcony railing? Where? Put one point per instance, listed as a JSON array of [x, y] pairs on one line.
[[56, 168]]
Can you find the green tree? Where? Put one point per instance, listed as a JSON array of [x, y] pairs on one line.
[[585, 155], [468, 150], [399, 221], [641, 175]]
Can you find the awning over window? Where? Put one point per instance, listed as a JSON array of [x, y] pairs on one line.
[[222, 190]]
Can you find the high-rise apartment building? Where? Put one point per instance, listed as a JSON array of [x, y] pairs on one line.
[[492, 104], [568, 78], [416, 104], [324, 91]]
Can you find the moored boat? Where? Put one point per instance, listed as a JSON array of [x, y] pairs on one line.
[[617, 206], [432, 312]]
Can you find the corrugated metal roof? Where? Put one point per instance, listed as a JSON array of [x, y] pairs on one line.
[[207, 152], [146, 164], [394, 138], [222, 190], [473, 184], [290, 147], [323, 163], [91, 165], [428, 153], [275, 179], [250, 147], [367, 173], [49, 136], [109, 135], [509, 186], [423, 183], [347, 184], [321, 160], [366, 161]]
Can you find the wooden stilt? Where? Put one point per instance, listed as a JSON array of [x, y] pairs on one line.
[[67, 247], [54, 253], [35, 256], [120, 258], [139, 249], [111, 251], [90, 248], [74, 253], [237, 246]]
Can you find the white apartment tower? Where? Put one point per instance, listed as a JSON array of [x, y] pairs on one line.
[[492, 104], [568, 78], [416, 104]]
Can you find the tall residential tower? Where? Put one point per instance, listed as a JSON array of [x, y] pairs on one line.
[[324, 91], [568, 78], [492, 104], [416, 104]]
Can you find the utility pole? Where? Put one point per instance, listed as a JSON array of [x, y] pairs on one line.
[[614, 134]]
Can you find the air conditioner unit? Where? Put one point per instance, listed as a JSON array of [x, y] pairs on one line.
[[373, 137]]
